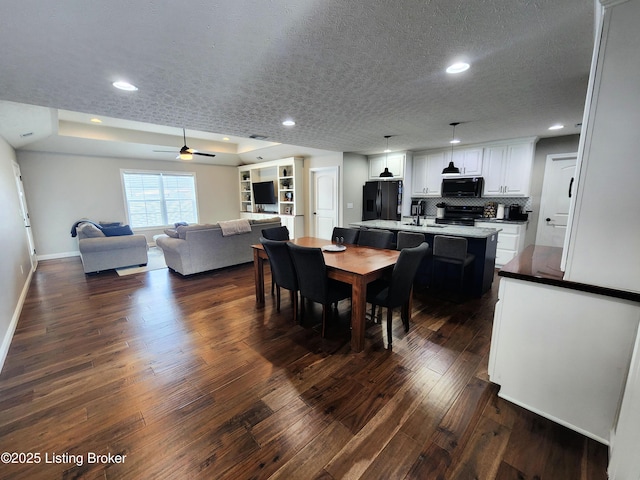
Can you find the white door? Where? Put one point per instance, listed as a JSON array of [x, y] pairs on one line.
[[557, 189], [25, 216], [324, 201]]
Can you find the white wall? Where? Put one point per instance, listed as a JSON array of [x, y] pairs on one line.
[[604, 232], [15, 267], [62, 189]]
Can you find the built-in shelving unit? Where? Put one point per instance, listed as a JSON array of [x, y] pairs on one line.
[[287, 176]]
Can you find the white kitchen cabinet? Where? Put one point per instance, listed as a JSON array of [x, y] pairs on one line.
[[506, 169], [395, 162], [510, 240], [426, 178], [468, 160]]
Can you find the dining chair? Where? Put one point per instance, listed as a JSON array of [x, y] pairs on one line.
[[451, 250], [348, 235], [409, 239], [313, 282], [275, 233], [375, 238], [396, 291], [283, 271]]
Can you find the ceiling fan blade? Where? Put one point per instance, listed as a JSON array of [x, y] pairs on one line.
[[165, 151], [204, 154]]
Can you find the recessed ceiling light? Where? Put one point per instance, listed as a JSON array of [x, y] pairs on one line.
[[556, 127], [96, 120], [288, 123], [458, 67], [454, 141], [226, 139], [125, 86]]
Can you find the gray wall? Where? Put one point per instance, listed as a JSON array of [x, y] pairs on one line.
[[544, 147], [62, 189], [15, 267], [356, 173]]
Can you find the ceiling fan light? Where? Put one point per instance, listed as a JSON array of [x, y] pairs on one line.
[[185, 156]]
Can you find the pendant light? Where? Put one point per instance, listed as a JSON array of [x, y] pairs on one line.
[[386, 173], [452, 169]]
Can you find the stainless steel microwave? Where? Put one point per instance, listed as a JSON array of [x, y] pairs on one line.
[[462, 187]]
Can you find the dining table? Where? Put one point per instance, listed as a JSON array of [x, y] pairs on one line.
[[356, 265]]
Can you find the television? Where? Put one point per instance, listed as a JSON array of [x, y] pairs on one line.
[[264, 193]]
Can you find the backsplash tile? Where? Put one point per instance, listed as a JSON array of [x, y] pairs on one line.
[[525, 202]]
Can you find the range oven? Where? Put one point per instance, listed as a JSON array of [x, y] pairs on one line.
[[461, 215]]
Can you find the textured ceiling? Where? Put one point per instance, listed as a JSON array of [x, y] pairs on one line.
[[348, 72]]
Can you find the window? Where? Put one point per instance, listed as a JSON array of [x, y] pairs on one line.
[[156, 199]]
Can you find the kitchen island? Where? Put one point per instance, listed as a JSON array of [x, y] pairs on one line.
[[482, 242]]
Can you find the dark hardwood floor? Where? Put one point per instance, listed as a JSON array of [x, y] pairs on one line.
[[188, 378]]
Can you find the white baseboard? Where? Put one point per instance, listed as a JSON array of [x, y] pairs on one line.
[[53, 256], [6, 341]]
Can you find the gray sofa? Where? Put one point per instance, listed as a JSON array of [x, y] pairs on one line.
[[199, 248], [99, 252]]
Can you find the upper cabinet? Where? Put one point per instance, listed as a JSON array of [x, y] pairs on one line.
[[506, 169], [468, 160], [426, 180], [395, 162]]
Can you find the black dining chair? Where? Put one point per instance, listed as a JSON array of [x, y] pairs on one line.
[[376, 238], [451, 250], [347, 235], [396, 291], [313, 282], [409, 239], [283, 271], [275, 233]]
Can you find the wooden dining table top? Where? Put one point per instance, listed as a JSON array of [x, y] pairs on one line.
[[355, 259]]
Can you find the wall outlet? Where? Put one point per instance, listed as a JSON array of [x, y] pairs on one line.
[[349, 205]]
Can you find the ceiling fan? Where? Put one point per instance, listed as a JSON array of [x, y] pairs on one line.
[[185, 152]]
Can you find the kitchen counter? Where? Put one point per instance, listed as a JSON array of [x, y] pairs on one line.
[[454, 230], [481, 242]]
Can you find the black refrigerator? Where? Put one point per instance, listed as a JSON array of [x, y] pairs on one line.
[[382, 200]]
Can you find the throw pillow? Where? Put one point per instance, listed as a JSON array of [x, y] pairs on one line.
[[89, 230], [172, 232], [180, 224], [109, 224], [117, 231]]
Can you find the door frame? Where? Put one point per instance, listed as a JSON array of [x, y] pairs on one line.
[[543, 201], [33, 258], [312, 186]]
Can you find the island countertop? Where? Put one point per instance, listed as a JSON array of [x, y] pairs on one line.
[[454, 230]]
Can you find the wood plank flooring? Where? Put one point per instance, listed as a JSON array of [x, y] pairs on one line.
[[188, 378]]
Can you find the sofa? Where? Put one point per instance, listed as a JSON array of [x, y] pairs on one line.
[[198, 248], [105, 251]]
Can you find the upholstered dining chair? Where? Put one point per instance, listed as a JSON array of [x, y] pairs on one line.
[[452, 251], [283, 271], [396, 291], [376, 238], [348, 235], [313, 281], [409, 239], [275, 233]]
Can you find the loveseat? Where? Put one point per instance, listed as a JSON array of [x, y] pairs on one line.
[[99, 251], [198, 248]]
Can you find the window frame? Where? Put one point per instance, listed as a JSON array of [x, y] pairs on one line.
[[161, 173]]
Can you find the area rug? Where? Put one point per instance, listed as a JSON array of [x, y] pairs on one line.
[[155, 262]]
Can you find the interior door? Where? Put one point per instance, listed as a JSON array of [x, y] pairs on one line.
[[324, 205], [557, 190], [25, 216]]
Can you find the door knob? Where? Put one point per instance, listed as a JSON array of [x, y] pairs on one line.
[[548, 219]]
